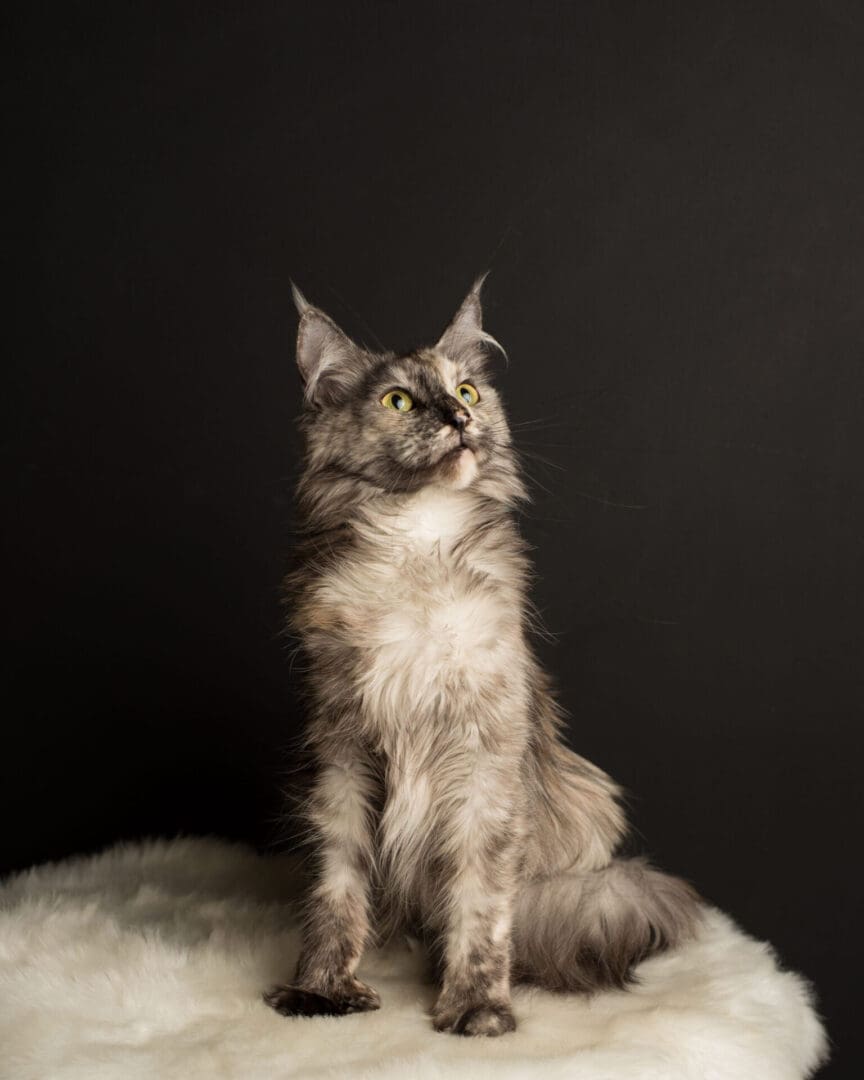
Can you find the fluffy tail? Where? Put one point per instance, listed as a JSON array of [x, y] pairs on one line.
[[585, 930]]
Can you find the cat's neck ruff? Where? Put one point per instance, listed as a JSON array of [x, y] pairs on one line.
[[436, 517]]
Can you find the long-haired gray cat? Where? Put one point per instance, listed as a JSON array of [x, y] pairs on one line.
[[444, 799]]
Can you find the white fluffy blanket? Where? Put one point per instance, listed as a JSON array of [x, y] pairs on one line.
[[150, 961]]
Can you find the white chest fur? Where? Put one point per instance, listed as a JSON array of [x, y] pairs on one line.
[[432, 521], [427, 612]]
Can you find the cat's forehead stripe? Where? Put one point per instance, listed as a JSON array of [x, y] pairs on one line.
[[449, 371], [428, 370]]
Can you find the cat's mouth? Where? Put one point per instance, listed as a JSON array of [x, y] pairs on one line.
[[462, 447], [458, 466], [466, 441], [459, 460]]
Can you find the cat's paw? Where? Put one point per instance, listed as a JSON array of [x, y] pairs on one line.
[[487, 1019], [358, 996], [337, 999]]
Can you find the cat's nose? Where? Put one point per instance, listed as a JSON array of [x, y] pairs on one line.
[[459, 419]]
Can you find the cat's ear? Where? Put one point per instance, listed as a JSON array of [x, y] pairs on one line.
[[329, 361], [465, 334]]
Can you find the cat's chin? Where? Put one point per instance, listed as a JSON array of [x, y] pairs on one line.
[[459, 468]]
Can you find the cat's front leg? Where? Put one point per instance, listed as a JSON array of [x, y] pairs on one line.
[[475, 991], [336, 927]]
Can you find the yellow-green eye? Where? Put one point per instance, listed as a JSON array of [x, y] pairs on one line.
[[468, 393], [398, 400]]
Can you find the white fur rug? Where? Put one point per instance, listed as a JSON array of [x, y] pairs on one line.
[[150, 961]]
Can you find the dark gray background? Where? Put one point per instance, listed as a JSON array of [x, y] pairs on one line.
[[669, 197]]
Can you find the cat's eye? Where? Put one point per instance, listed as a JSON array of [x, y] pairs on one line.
[[398, 401], [468, 393]]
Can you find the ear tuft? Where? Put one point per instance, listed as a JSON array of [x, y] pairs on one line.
[[300, 301], [465, 332]]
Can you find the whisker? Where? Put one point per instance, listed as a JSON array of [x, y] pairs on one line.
[[608, 502]]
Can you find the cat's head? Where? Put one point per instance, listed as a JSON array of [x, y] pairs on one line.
[[400, 422]]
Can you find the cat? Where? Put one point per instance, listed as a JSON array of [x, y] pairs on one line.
[[444, 799]]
